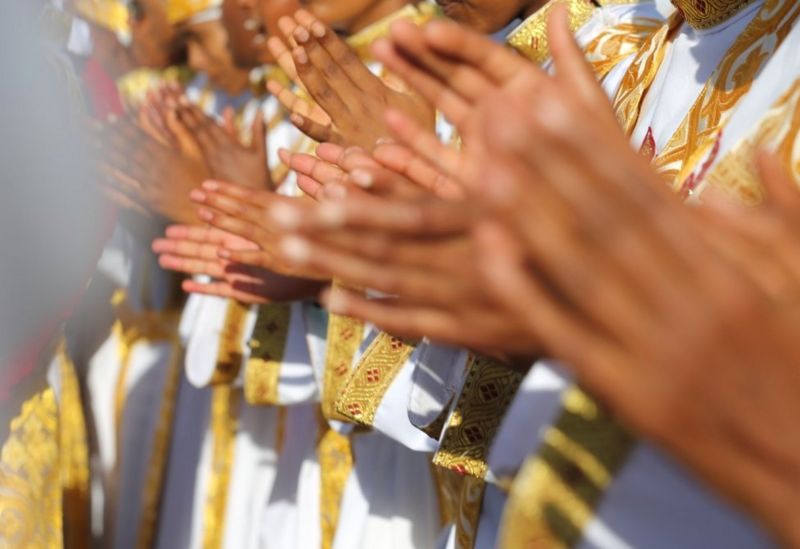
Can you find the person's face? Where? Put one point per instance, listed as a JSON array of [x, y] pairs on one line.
[[208, 52], [244, 40], [486, 16], [155, 42]]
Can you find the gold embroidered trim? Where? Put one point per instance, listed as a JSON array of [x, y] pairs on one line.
[[162, 439], [343, 339], [30, 491], [224, 421], [530, 38], [488, 390], [704, 14], [371, 378], [736, 174], [614, 44], [557, 490], [230, 353], [267, 346], [335, 456], [74, 456], [727, 85]]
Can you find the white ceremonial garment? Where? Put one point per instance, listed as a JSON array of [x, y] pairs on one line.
[[389, 499]]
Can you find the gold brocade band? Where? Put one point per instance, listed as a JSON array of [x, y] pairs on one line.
[[30, 491], [736, 174], [335, 456], [224, 414], [557, 490], [488, 390], [267, 346], [74, 456], [703, 14], [364, 390], [530, 38], [344, 337]]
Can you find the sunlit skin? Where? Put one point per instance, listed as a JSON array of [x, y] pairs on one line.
[[349, 102]]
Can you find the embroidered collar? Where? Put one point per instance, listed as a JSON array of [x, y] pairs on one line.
[[703, 14]]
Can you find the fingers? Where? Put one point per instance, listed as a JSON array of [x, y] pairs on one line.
[[364, 211], [315, 168], [497, 63], [570, 62], [222, 289], [258, 141], [402, 160], [283, 56], [316, 131], [206, 132], [339, 53], [192, 266], [322, 78], [423, 142]]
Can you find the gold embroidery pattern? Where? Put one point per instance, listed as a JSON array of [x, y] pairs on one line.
[[367, 385], [736, 174], [335, 464], [616, 43], [162, 438], [224, 423], [74, 456], [703, 14], [267, 345], [557, 490], [728, 84], [469, 511], [488, 390], [640, 75], [530, 38], [229, 356], [30, 491], [344, 337]]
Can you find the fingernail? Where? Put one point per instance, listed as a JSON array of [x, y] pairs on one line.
[[331, 214], [296, 119], [296, 249], [285, 216], [318, 29], [384, 141], [362, 178], [334, 191], [300, 56], [204, 214], [197, 195], [301, 35], [223, 253], [183, 101], [211, 185]]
